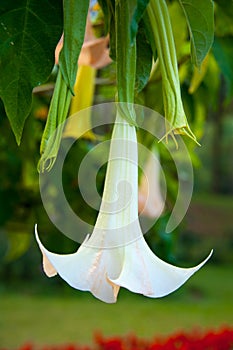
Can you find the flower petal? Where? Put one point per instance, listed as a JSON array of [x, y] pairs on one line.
[[48, 267], [88, 269], [143, 272]]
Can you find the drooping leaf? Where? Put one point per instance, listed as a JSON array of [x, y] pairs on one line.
[[29, 32], [149, 34], [75, 16], [223, 52], [144, 59], [200, 20], [139, 7]]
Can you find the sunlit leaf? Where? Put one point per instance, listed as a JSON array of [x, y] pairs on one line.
[[200, 20], [29, 32], [198, 75]]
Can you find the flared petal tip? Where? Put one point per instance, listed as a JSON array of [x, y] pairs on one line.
[[48, 268], [196, 268], [80, 270], [115, 289], [157, 278], [182, 276]]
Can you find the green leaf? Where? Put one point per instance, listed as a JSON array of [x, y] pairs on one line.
[[149, 34], [29, 32], [75, 16], [153, 89], [138, 11], [144, 59], [108, 8], [198, 75], [200, 20], [223, 52]]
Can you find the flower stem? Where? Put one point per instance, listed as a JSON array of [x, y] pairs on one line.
[[125, 61]]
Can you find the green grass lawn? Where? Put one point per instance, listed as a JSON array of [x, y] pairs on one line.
[[66, 315]]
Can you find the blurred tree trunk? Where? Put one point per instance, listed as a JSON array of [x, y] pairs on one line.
[[217, 117]]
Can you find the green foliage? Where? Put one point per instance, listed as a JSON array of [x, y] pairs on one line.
[[75, 14], [137, 13], [29, 32], [144, 59], [29, 60], [108, 8], [200, 19]]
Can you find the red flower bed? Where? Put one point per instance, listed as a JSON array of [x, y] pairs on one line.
[[221, 340], [212, 340]]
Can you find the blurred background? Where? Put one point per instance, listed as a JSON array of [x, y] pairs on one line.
[[47, 311]]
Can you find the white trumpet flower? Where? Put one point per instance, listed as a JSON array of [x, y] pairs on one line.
[[116, 254]]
